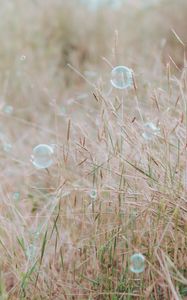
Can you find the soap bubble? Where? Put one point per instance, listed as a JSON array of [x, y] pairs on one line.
[[93, 194], [121, 77], [7, 147], [137, 263], [150, 131], [8, 109], [31, 252], [42, 157], [16, 196], [23, 57]]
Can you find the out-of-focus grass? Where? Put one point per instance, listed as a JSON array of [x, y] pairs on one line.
[[56, 243]]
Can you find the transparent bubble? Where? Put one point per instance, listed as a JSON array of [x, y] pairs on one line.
[[22, 57], [42, 156], [7, 147], [121, 77], [31, 252], [16, 196], [8, 109], [93, 194], [137, 263], [150, 131]]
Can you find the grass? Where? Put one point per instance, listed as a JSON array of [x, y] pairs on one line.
[[56, 241]]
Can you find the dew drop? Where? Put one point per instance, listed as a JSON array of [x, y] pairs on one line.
[[121, 77], [42, 156]]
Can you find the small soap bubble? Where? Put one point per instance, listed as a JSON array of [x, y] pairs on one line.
[[22, 57], [150, 131], [121, 77], [93, 194], [8, 109], [7, 147], [31, 252], [137, 263], [16, 196], [42, 156]]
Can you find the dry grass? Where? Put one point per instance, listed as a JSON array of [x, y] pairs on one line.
[[56, 243]]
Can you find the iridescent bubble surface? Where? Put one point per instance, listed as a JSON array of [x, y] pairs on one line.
[[121, 77], [150, 131], [137, 263], [42, 156]]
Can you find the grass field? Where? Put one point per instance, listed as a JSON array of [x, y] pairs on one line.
[[69, 231]]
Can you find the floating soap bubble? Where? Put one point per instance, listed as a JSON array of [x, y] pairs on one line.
[[121, 77], [42, 156], [8, 109], [137, 263], [93, 194], [16, 196], [7, 147], [31, 252], [150, 131], [22, 57]]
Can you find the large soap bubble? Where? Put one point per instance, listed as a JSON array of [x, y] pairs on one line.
[[42, 156], [121, 77], [137, 263], [150, 131]]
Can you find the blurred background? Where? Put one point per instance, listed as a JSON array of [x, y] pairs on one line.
[[49, 34]]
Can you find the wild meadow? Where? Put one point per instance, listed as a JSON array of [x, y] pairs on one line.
[[93, 182]]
